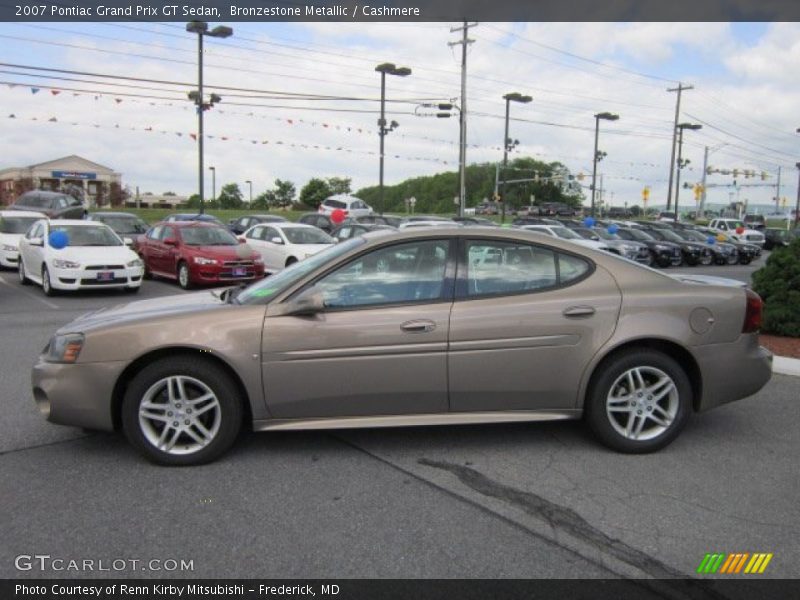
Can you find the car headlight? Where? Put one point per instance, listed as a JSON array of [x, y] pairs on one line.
[[258, 261], [60, 263], [202, 260], [64, 348], [8, 248], [136, 262], [662, 247]]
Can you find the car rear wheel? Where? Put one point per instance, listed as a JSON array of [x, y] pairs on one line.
[[183, 276], [182, 411], [290, 261], [639, 402], [23, 278], [706, 260], [745, 260], [732, 258], [47, 286]]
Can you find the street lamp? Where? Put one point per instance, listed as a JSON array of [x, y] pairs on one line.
[[213, 183], [508, 145], [605, 116], [681, 163], [386, 69], [797, 203], [250, 183], [201, 29]]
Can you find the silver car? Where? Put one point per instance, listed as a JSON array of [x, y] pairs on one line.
[[433, 326]]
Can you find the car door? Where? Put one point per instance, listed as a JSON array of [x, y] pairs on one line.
[[526, 321], [33, 255], [160, 252], [379, 347], [255, 239], [274, 254]]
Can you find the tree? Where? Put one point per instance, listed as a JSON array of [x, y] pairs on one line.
[[283, 194], [339, 185], [117, 196], [230, 196], [22, 185], [314, 192], [261, 202], [636, 210], [778, 284], [193, 201]]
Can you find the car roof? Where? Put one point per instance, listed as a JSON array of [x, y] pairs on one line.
[[22, 213], [48, 193], [182, 224], [73, 222], [291, 225]]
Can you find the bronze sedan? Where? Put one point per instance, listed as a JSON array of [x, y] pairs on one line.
[[420, 327]]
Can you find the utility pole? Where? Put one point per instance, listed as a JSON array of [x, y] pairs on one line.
[[778, 192], [702, 210], [678, 89], [462, 136]]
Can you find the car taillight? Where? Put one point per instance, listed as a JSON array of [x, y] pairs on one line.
[[752, 314]]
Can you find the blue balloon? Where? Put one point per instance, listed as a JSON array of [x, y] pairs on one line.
[[58, 240], [613, 228], [589, 221], [711, 240]]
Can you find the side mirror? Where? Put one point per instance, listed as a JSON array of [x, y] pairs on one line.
[[277, 240], [305, 305], [242, 240], [171, 241], [127, 241], [36, 242]]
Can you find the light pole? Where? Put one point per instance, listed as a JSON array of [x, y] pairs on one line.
[[509, 144], [797, 203], [605, 116], [250, 203], [681, 163], [386, 69], [213, 183], [201, 29]]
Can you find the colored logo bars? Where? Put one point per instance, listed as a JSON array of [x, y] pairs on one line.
[[731, 564]]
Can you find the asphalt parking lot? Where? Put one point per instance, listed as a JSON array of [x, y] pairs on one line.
[[503, 501]]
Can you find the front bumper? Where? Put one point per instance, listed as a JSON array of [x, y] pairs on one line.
[[76, 394], [87, 279], [9, 259], [732, 371], [224, 274]]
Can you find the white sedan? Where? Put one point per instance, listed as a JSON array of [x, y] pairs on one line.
[[283, 244], [13, 225], [91, 256], [565, 233]]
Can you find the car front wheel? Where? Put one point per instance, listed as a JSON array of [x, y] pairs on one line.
[[23, 278], [47, 286], [182, 411], [184, 280], [639, 402]]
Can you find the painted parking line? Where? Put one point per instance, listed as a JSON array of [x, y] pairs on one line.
[[30, 295]]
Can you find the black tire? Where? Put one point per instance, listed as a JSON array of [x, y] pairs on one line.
[[47, 284], [184, 282], [23, 279], [290, 261], [663, 262], [609, 374], [146, 274], [132, 289], [692, 262], [211, 375], [745, 260]]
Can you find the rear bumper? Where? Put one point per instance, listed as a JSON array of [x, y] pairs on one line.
[[732, 371], [78, 395], [9, 258]]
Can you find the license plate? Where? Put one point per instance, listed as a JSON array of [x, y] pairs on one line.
[[239, 272], [105, 276]]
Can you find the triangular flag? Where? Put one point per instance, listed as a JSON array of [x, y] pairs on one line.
[[34, 90], [117, 100], [290, 121], [12, 116], [53, 120], [193, 136], [55, 92], [148, 129]]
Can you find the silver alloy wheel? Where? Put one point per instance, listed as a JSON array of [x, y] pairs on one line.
[[183, 276], [179, 415], [46, 280], [21, 271], [641, 395]]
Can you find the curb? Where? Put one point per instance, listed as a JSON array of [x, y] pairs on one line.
[[783, 365]]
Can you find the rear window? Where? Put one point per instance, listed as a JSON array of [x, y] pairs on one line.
[[335, 204], [34, 200], [16, 224]]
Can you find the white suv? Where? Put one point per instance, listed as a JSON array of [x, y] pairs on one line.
[[352, 206], [729, 226]]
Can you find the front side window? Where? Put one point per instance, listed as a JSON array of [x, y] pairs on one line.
[[270, 233], [208, 236], [256, 233], [306, 235], [155, 232], [16, 224], [344, 233], [411, 272]]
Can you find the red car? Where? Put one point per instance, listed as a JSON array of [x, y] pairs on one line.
[[193, 252]]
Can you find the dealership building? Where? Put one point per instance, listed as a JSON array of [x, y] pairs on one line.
[[93, 178]]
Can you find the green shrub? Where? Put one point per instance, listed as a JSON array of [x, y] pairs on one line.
[[778, 283]]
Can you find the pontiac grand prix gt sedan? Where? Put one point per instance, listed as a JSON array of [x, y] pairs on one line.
[[418, 327]]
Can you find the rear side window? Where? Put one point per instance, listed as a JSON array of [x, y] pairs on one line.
[[34, 200], [571, 268], [335, 204]]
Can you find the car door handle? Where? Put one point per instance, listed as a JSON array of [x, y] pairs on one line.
[[579, 311], [420, 326]]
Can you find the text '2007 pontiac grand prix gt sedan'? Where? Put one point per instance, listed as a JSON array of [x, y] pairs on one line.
[[419, 327]]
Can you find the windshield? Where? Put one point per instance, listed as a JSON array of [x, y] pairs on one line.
[[207, 236], [566, 234], [640, 236], [694, 236], [88, 235], [16, 224], [603, 234], [269, 287], [123, 224], [306, 235], [670, 235]]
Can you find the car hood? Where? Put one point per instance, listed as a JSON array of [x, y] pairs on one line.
[[310, 248], [95, 254], [164, 306], [12, 239], [707, 280], [225, 252]]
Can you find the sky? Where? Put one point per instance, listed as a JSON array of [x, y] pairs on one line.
[[744, 77]]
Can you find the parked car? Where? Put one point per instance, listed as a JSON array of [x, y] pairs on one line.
[[54, 205], [192, 252], [239, 225], [567, 333], [283, 244], [664, 253], [93, 257], [565, 233], [557, 209], [722, 254], [694, 252], [757, 222], [667, 216], [630, 249], [318, 220], [352, 206], [126, 225], [487, 208], [201, 217], [732, 227], [475, 222], [747, 253], [13, 225], [777, 238], [528, 220], [374, 219], [351, 230]]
